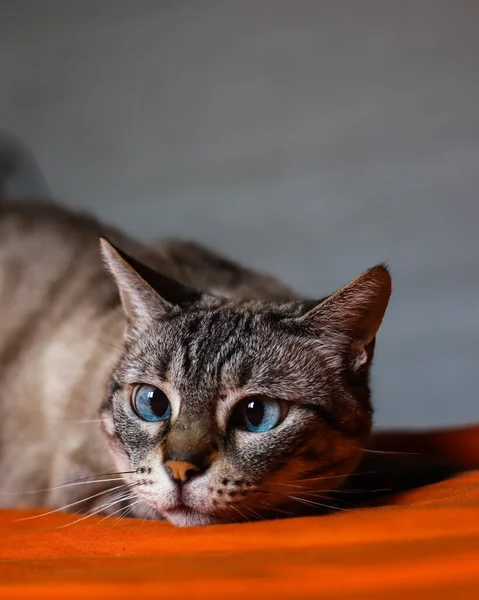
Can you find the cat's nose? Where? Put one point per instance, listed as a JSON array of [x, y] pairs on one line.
[[181, 470]]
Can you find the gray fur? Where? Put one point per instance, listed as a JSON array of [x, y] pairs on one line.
[[201, 328]]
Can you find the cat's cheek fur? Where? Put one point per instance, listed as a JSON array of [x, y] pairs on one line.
[[114, 444]]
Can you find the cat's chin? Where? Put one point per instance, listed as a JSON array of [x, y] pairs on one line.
[[183, 516]]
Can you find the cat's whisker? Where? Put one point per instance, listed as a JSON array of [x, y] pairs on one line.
[[344, 475], [239, 512], [63, 485], [273, 508], [320, 494], [254, 513], [119, 494], [92, 481], [88, 477], [323, 497], [82, 421], [148, 515], [288, 484], [360, 491], [312, 503], [105, 506], [101, 475], [271, 493], [142, 336], [340, 491], [119, 497], [111, 345], [125, 318], [61, 509], [370, 451], [132, 506], [296, 486], [125, 511], [314, 494]]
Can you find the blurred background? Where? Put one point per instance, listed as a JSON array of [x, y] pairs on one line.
[[311, 139]]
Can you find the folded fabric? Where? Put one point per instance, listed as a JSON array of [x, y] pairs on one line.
[[423, 543]]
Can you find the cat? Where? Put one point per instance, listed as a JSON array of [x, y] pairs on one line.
[[165, 381]]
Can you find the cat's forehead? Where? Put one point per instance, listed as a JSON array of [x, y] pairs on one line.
[[225, 324], [210, 352], [221, 345]]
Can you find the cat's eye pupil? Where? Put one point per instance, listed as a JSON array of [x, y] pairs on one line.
[[158, 402], [151, 403], [258, 414], [255, 412]]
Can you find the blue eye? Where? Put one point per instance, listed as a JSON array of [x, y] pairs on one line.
[[151, 404], [259, 414]]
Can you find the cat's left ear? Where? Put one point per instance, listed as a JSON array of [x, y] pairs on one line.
[[145, 294], [356, 310]]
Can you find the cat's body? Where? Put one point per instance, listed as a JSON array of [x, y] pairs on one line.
[[64, 360], [184, 387]]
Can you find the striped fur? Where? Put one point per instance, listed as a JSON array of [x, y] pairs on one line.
[[200, 327]]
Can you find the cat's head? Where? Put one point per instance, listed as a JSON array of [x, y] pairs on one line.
[[228, 410]]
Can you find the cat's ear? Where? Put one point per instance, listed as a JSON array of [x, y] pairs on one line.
[[357, 309], [144, 293]]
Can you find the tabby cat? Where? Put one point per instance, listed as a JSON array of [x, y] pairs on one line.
[[179, 385]]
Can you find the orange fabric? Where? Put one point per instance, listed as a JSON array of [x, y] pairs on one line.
[[423, 544]]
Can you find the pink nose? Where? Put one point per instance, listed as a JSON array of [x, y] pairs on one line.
[[180, 470]]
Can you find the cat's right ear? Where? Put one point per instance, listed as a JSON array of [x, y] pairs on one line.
[[145, 294], [356, 310]]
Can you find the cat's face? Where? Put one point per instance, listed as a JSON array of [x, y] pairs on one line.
[[228, 411]]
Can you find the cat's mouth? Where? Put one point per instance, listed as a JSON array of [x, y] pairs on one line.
[[181, 507]]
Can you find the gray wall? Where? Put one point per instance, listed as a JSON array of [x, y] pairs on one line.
[[309, 138]]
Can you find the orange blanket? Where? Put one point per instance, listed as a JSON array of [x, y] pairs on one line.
[[423, 544]]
